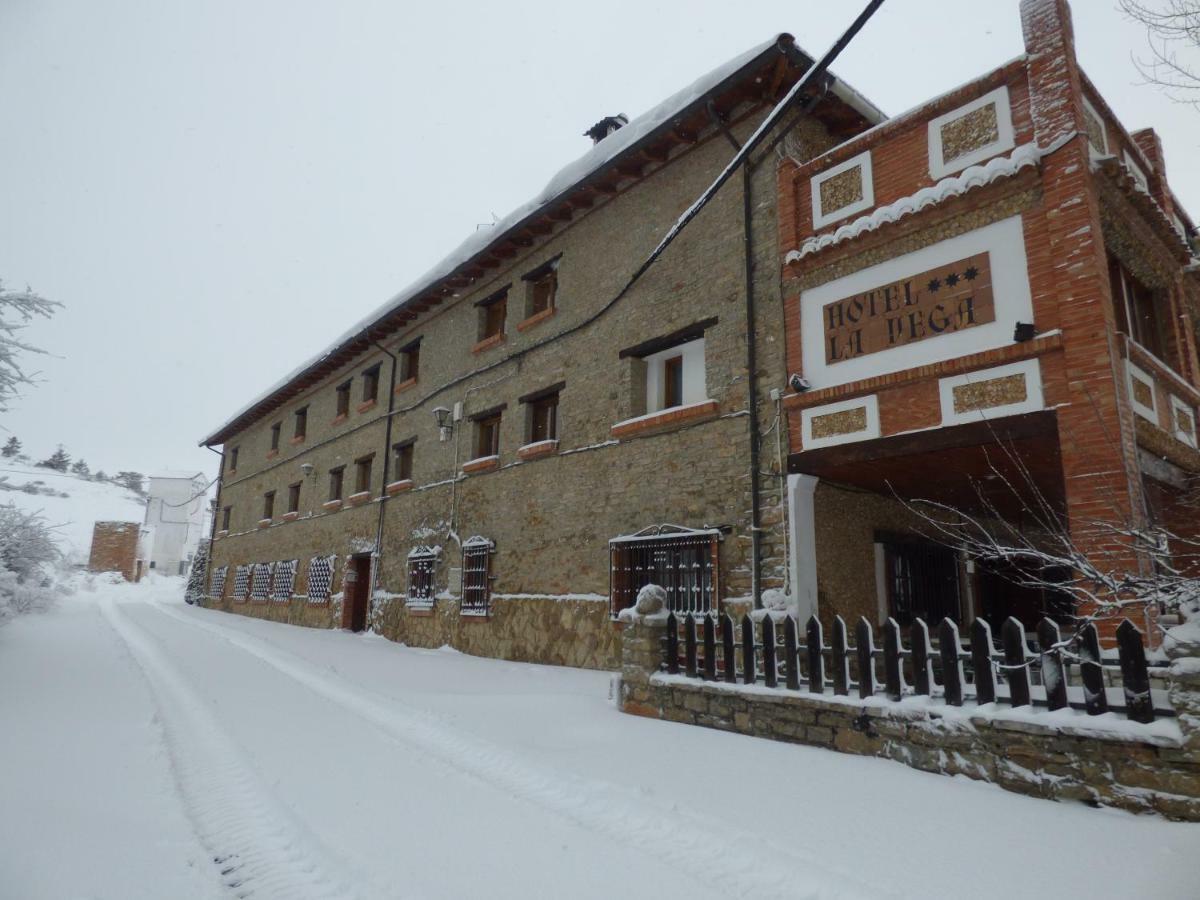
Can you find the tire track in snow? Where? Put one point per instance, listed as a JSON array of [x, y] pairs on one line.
[[737, 861], [258, 850]]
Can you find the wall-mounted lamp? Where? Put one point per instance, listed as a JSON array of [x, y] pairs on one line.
[[306, 468], [443, 422]]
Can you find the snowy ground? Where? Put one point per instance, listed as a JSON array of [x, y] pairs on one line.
[[73, 516], [154, 750]]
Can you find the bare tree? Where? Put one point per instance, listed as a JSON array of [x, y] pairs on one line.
[[17, 310], [1172, 35]]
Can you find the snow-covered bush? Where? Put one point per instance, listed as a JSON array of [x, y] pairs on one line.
[[197, 575], [29, 562]]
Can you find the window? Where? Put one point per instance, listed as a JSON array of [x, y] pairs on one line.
[[216, 586], [477, 576], [301, 424], [241, 582], [275, 435], [370, 384], [1136, 308], [343, 399], [404, 459], [225, 514], [672, 381], [294, 497], [283, 580], [541, 285], [492, 313], [422, 562], [320, 578], [543, 418], [269, 505], [920, 580], [668, 371], [260, 583], [410, 360], [336, 477], [487, 434], [683, 562], [233, 456], [362, 473]]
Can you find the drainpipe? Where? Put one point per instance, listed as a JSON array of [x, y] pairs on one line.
[[387, 459], [212, 533]]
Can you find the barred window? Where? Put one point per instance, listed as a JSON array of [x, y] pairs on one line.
[[260, 582], [682, 561], [216, 585], [241, 582], [422, 561], [477, 576], [283, 580], [320, 578]]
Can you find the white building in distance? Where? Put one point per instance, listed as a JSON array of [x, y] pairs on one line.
[[176, 511]]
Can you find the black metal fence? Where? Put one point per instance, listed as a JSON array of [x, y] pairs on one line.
[[1051, 673]]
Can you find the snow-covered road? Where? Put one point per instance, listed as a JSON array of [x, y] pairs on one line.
[[151, 749]]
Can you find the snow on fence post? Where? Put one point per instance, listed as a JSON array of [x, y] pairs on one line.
[[866, 657], [952, 669], [689, 643], [749, 663], [728, 659], [1016, 673], [981, 661], [710, 648], [922, 650], [770, 678], [816, 668], [1091, 672], [1054, 673], [791, 652], [892, 654], [841, 665], [1136, 679]]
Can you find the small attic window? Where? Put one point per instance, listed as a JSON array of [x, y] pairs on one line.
[[606, 126]]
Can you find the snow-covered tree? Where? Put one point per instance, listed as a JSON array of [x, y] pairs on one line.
[[80, 468], [197, 575], [29, 559], [17, 310], [11, 447], [100, 475], [135, 481], [59, 460]]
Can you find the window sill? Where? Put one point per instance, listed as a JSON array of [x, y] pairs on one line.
[[331, 505], [465, 616], [339, 418], [366, 406], [663, 419], [489, 342], [537, 318], [359, 499], [405, 385], [298, 439], [481, 464], [271, 454], [264, 523], [537, 450], [291, 516], [399, 487]]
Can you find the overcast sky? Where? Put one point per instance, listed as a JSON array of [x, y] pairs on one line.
[[215, 190]]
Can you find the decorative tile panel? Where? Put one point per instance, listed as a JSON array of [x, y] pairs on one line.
[[843, 190], [970, 134]]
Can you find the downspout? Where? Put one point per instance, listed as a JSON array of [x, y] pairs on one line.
[[212, 532], [387, 459]]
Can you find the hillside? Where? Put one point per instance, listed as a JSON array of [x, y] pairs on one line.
[[72, 516]]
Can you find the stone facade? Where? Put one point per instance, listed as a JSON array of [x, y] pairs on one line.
[[114, 548], [1151, 768]]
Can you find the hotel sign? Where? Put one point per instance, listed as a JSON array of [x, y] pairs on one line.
[[943, 300]]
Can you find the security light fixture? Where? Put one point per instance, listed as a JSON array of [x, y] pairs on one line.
[[798, 383], [306, 468], [443, 422], [1025, 331]]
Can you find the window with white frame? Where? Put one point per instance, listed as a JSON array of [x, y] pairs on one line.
[[1096, 132], [1183, 421], [422, 566], [283, 580], [971, 134], [260, 581], [320, 578], [477, 576], [843, 190], [675, 376], [241, 582], [216, 585]]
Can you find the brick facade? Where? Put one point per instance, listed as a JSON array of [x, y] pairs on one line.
[[115, 548]]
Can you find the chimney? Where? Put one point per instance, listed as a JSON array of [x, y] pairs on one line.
[[1055, 88], [1149, 143], [606, 126]]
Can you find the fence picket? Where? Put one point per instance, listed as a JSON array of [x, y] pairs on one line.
[[1016, 673], [791, 650], [1054, 673], [981, 660], [689, 642], [922, 650], [816, 670], [893, 677], [841, 665], [728, 660], [865, 651], [710, 648], [749, 662], [770, 679], [1095, 698], [1138, 704], [672, 651], [952, 669]]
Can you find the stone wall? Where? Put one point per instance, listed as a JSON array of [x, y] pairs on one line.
[[1142, 768], [114, 548]]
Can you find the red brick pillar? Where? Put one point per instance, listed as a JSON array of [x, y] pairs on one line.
[[1096, 428]]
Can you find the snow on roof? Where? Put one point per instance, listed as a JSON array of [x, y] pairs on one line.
[[566, 178]]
